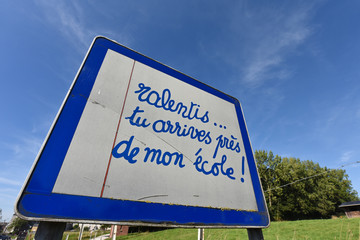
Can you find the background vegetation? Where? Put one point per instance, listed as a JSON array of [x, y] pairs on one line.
[[293, 190], [339, 229], [297, 189]]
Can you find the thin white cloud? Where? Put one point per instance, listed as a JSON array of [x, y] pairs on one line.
[[74, 20], [9, 190], [357, 115], [278, 34], [259, 40], [25, 146], [41, 127], [346, 156], [8, 181], [68, 18], [344, 111]]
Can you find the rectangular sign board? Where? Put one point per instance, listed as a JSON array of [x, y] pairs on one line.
[[136, 142]]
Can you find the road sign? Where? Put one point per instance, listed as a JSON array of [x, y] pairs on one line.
[[137, 142]]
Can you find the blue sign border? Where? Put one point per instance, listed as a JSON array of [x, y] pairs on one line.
[[38, 202]]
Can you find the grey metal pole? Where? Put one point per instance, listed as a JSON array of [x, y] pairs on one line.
[[201, 234], [50, 230], [255, 234], [114, 232], [81, 231]]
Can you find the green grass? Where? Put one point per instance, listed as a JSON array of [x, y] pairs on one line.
[[74, 235], [86, 235], [339, 229]]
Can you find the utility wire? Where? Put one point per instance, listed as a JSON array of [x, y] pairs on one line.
[[306, 178]]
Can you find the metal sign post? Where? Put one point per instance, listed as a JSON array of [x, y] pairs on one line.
[[255, 234], [201, 234], [81, 231], [50, 230], [136, 142]]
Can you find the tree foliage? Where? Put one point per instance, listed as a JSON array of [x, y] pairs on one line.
[[105, 226], [19, 225], [297, 189]]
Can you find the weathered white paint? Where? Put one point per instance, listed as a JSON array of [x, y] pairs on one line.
[[85, 164]]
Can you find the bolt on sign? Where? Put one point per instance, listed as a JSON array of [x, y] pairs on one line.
[[137, 142]]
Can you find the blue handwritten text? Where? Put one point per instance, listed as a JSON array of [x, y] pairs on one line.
[[124, 150], [215, 169], [224, 142], [165, 102]]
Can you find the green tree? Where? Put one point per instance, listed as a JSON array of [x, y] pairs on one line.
[[297, 189], [267, 165], [19, 225], [105, 226]]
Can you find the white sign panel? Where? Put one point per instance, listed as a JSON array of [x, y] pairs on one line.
[[141, 134]]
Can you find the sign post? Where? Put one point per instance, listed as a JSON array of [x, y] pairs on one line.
[[50, 230], [255, 234], [138, 143], [201, 234]]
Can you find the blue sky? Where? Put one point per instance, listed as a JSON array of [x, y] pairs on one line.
[[294, 66]]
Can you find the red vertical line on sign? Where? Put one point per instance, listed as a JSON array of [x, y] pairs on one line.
[[117, 130]]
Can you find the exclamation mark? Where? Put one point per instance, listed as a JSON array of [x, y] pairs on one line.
[[243, 168]]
